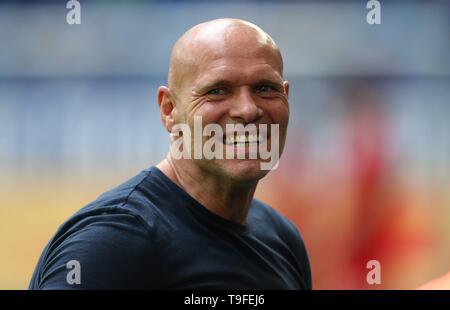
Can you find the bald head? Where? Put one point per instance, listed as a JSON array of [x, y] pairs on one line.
[[218, 38]]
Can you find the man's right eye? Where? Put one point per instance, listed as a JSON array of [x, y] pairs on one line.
[[216, 92]]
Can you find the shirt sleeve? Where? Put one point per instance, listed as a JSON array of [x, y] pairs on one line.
[[102, 251], [300, 252]]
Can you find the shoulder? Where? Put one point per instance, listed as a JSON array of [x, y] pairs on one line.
[[113, 251], [127, 208], [127, 203], [273, 225], [114, 238]]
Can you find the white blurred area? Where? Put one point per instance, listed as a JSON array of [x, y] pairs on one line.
[[370, 124]]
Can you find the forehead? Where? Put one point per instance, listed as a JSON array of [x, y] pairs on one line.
[[223, 50], [237, 64], [236, 70]]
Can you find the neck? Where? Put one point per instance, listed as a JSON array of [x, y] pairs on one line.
[[227, 199]]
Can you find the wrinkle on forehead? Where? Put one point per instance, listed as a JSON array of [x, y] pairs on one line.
[[217, 39]]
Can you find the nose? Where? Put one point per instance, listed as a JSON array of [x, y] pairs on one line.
[[244, 108]]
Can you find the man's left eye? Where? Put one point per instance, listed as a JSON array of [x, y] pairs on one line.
[[264, 88]]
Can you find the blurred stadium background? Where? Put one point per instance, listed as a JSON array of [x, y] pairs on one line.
[[366, 172]]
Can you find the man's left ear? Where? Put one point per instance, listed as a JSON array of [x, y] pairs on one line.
[[286, 88]]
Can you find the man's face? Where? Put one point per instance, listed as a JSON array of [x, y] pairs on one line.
[[236, 85]]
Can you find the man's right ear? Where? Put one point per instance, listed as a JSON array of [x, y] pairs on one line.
[[166, 107]]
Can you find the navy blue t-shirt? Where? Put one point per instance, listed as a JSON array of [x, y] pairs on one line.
[[148, 233]]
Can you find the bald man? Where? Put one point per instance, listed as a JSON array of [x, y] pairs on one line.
[[191, 222]]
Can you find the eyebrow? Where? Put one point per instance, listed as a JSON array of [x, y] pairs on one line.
[[275, 84]]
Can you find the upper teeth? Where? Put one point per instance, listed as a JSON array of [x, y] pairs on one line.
[[251, 138]]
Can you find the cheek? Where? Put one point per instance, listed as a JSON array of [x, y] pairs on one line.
[[211, 112], [279, 114]]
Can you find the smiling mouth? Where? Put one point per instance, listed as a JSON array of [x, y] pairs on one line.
[[243, 139]]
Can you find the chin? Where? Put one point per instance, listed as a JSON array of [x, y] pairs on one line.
[[244, 170]]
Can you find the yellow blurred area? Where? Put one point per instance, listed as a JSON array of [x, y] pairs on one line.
[[31, 212]]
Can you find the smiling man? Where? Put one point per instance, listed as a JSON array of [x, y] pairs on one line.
[[191, 222]]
